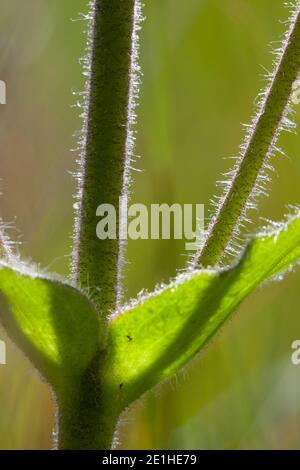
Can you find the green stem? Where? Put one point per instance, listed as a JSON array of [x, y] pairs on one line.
[[86, 416], [104, 162], [258, 148]]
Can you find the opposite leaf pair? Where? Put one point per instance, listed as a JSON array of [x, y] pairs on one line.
[[60, 331], [96, 365]]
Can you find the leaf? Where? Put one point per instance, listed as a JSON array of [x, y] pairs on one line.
[[53, 323], [160, 334]]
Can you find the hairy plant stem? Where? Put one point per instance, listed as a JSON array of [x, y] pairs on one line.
[[102, 178], [86, 420], [87, 415], [258, 147]]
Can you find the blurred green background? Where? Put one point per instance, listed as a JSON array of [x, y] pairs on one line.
[[203, 64]]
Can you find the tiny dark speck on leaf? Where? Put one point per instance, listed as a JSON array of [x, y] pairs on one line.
[[129, 337]]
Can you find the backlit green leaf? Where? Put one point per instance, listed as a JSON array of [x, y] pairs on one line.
[[54, 324], [154, 338]]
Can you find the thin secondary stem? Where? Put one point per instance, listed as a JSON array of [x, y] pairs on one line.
[[104, 162], [258, 148]]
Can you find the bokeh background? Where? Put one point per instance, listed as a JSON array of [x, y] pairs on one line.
[[203, 63]]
